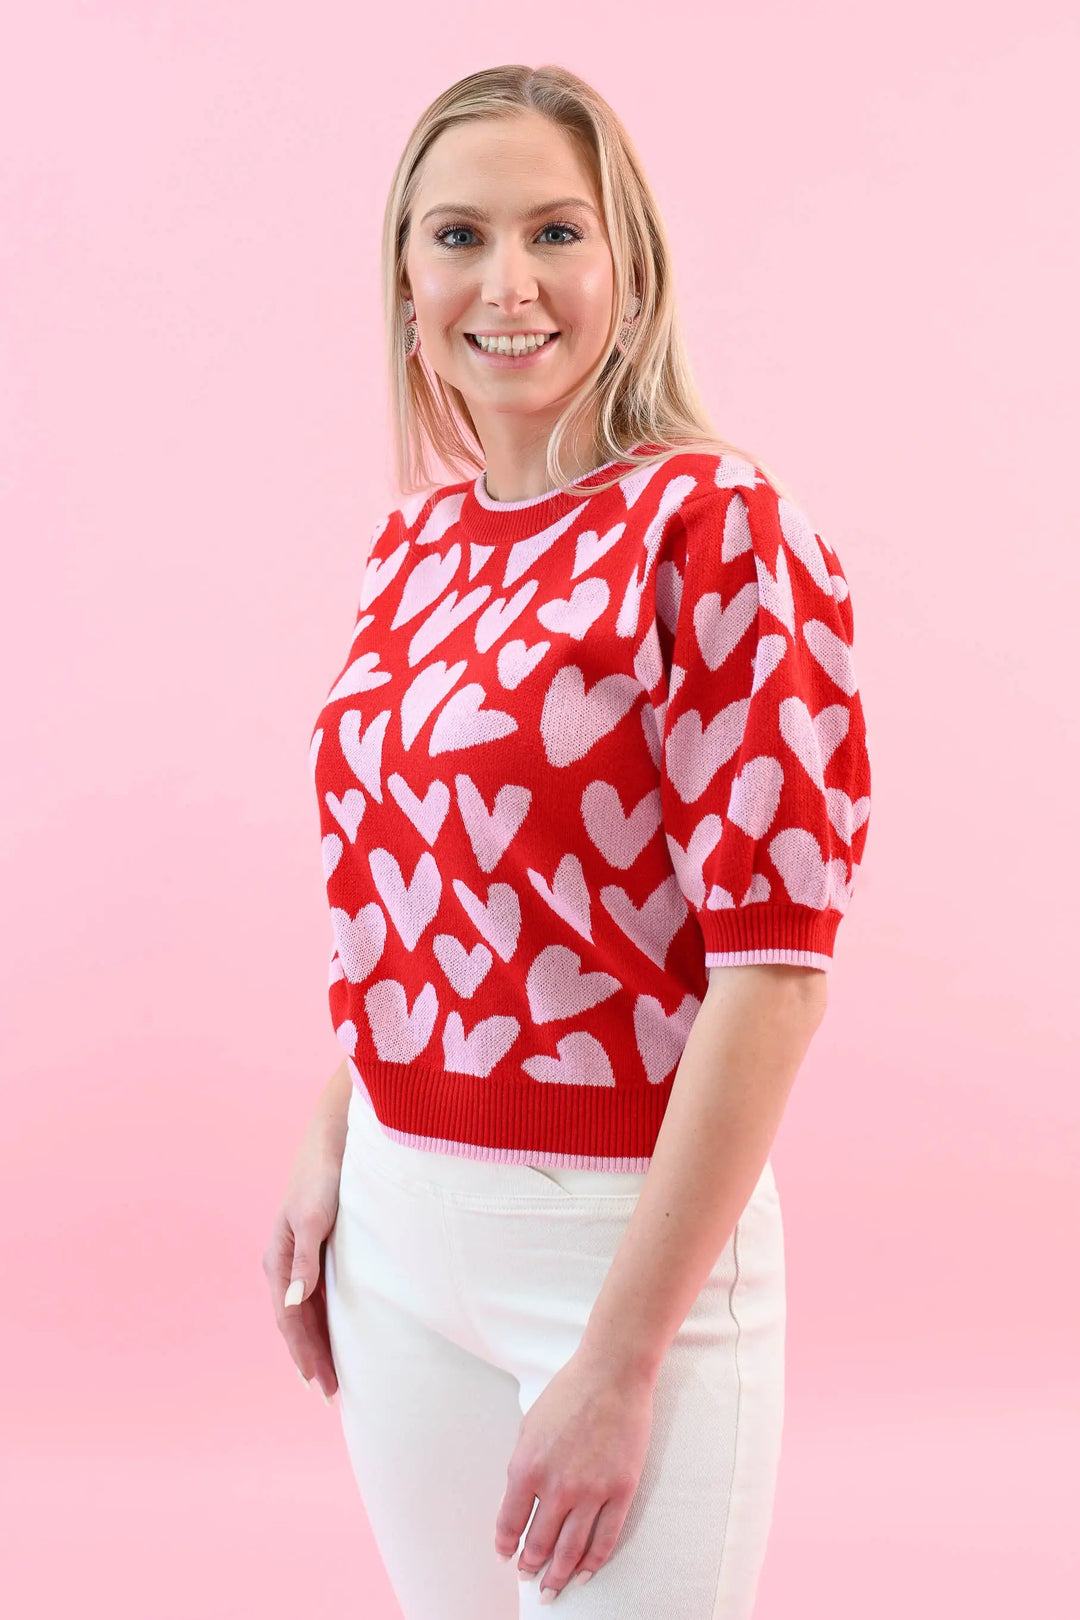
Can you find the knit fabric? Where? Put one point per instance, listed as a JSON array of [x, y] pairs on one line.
[[583, 748]]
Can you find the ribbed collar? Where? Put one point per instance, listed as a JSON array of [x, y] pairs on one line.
[[502, 522]]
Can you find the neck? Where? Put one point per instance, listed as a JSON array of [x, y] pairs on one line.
[[516, 464]]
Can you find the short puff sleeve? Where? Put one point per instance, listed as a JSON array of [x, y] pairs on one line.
[[765, 777]]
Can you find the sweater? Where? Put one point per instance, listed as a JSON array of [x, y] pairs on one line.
[[583, 749]]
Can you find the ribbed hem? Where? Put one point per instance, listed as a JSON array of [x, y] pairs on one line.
[[760, 927], [516, 1119], [503, 522]]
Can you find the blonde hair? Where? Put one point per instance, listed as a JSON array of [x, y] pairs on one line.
[[646, 396]]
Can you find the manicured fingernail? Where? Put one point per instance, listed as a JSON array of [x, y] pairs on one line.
[[305, 1381], [548, 1594], [527, 1574], [324, 1395], [295, 1291], [582, 1576], [504, 1558]]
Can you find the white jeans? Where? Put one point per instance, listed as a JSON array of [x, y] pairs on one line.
[[456, 1288]]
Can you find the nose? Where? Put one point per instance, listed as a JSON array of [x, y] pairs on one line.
[[509, 281]]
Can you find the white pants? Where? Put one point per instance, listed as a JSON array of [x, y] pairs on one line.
[[456, 1288]]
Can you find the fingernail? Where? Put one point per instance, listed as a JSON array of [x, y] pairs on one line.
[[548, 1594], [305, 1381], [527, 1574], [504, 1558], [295, 1291], [582, 1576], [324, 1395]]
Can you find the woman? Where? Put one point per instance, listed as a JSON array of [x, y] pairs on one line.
[[593, 790]]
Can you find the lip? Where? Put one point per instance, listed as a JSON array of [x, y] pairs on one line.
[[512, 362]]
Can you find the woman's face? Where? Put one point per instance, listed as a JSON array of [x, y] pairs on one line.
[[506, 238]]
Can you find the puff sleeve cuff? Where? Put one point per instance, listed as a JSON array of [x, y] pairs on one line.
[[765, 777]]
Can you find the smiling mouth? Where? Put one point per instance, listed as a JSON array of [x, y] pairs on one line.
[[528, 348]]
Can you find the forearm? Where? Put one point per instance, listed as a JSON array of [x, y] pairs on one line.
[[728, 1096], [329, 1120]]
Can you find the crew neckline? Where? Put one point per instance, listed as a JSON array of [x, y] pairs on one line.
[[498, 522]]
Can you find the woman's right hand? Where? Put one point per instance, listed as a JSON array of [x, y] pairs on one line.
[[293, 1258]]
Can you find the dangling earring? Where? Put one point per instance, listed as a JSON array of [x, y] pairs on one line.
[[411, 334], [633, 305]]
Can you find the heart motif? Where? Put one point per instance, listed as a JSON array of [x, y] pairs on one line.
[[499, 921], [486, 1044], [799, 534], [425, 693], [688, 862], [755, 795], [568, 895], [832, 653], [575, 615], [590, 548], [582, 1061], [332, 851], [649, 658], [557, 988], [313, 750], [461, 724], [348, 812], [444, 620], [738, 536], [776, 594], [719, 631], [499, 615], [442, 517], [813, 739], [360, 676], [364, 758], [768, 653], [694, 754], [398, 1034], [619, 838], [427, 814], [360, 939], [379, 572], [410, 908], [516, 660], [845, 816], [733, 471], [668, 594], [491, 835], [523, 553], [808, 879], [660, 1036], [347, 1034], [651, 926], [429, 578], [573, 721], [466, 970]]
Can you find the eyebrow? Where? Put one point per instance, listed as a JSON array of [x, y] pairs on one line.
[[469, 212]]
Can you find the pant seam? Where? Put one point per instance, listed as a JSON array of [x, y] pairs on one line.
[[735, 1450]]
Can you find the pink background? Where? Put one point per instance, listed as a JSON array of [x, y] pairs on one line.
[[874, 225]]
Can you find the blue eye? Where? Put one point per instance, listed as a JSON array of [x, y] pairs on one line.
[[576, 235]]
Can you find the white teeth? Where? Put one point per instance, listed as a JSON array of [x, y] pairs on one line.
[[516, 345]]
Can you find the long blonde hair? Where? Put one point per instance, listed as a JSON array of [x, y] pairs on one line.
[[645, 396]]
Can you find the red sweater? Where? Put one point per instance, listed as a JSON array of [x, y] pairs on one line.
[[583, 748]]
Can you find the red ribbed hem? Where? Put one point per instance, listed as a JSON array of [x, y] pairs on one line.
[[508, 1118], [760, 927]]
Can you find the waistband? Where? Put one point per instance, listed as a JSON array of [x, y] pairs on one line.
[[458, 1172]]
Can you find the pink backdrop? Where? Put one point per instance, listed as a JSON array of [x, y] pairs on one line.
[[877, 255]]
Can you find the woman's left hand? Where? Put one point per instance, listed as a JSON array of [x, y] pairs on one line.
[[580, 1449]]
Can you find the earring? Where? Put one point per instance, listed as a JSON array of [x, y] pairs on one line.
[[633, 305], [411, 334]]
